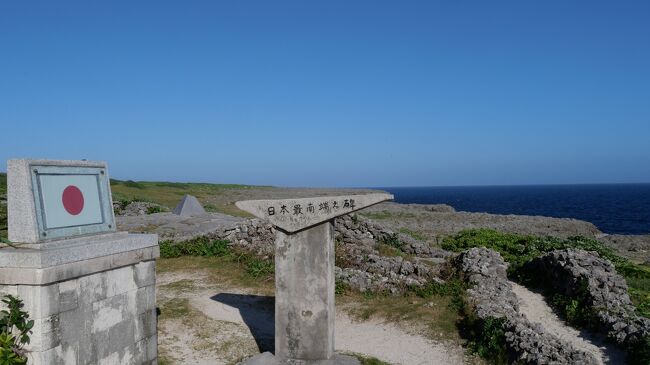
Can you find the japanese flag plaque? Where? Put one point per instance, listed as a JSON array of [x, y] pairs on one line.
[[65, 199]]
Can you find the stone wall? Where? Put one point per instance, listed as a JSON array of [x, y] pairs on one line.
[[491, 295], [359, 264], [107, 317], [577, 273]]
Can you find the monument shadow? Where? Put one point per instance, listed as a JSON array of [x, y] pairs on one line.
[[258, 313]]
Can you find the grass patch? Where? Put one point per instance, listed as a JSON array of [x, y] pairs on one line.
[[168, 194], [175, 308], [255, 267], [369, 360], [415, 234], [390, 251], [435, 308]]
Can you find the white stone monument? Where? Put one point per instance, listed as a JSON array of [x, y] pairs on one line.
[[89, 289], [304, 275]]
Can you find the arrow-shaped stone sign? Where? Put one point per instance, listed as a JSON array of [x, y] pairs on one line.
[[293, 215], [304, 275]]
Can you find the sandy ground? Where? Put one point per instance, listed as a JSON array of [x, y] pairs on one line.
[[228, 324], [535, 308]]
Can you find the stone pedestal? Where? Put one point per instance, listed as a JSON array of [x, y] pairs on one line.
[[304, 294], [92, 297]]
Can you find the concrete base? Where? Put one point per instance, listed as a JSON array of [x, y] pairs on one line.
[[92, 298], [267, 358]]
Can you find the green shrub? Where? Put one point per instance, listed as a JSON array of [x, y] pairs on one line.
[[392, 240], [341, 287], [15, 328], [155, 209], [196, 247], [453, 288], [518, 249], [487, 337]]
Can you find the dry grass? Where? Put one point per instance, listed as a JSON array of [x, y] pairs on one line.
[[218, 270], [431, 317]]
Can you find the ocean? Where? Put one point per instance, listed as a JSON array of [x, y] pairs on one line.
[[613, 208]]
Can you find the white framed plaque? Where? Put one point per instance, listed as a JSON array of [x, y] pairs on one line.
[[58, 199]]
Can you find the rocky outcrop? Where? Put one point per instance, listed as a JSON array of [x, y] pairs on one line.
[[359, 264], [137, 208], [584, 274], [491, 295]]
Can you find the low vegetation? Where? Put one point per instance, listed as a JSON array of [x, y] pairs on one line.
[[168, 194], [415, 234], [15, 329], [256, 267], [518, 249]]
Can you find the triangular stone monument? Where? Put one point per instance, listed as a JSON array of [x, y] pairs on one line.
[[188, 207]]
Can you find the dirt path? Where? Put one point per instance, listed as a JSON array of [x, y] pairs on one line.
[[223, 325], [535, 308]]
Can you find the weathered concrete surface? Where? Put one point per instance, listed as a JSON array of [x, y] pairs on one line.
[[107, 317], [295, 214], [174, 227], [92, 299], [21, 220], [189, 207], [304, 298]]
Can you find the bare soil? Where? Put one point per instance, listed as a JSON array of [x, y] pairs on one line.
[[204, 321]]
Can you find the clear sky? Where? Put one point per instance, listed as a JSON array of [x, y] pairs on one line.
[[331, 93]]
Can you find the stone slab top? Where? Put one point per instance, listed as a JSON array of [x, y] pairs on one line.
[[293, 215]]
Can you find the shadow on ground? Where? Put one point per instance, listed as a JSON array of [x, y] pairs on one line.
[[258, 313]]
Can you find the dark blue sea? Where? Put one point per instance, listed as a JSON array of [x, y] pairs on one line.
[[613, 208]]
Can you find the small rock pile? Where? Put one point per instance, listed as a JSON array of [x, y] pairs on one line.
[[574, 272], [491, 296], [357, 230], [253, 235], [136, 208], [361, 266]]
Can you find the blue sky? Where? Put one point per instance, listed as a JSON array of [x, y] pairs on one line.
[[331, 93]]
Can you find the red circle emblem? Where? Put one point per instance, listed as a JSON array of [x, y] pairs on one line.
[[73, 200]]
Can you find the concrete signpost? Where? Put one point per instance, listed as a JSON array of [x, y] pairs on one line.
[[304, 275], [89, 289]]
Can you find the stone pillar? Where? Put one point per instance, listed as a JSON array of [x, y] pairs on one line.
[[89, 289], [304, 294]]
